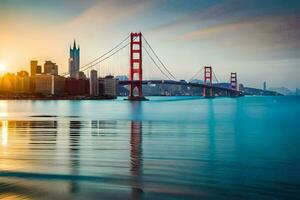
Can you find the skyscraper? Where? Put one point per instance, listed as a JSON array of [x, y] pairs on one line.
[[33, 67], [74, 61], [94, 91]]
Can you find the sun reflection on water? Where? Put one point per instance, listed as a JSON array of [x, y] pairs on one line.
[[4, 133], [4, 123]]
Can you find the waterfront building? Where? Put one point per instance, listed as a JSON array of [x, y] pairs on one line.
[[77, 87], [265, 86], [18, 83], [74, 61], [50, 68], [38, 69], [22, 82], [34, 68], [8, 83], [25, 84], [58, 85], [22, 73], [94, 89], [108, 86], [47, 84]]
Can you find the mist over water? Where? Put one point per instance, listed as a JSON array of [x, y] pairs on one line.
[[165, 148]]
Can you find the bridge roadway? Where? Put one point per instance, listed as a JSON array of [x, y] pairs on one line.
[[189, 84]]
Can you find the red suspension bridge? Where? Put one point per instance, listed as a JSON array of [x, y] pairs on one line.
[[135, 82]]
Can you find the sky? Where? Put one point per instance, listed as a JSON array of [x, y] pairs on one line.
[[257, 39]]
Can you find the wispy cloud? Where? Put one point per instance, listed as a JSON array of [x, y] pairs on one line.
[[109, 12], [268, 33]]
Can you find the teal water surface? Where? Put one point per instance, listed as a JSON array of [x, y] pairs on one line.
[[165, 148]]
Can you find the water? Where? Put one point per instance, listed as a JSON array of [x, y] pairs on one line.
[[167, 148]]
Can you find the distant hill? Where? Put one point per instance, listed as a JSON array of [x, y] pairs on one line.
[[282, 90]]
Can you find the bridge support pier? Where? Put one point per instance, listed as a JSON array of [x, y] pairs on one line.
[[136, 73]]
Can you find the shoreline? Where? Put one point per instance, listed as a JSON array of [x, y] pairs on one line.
[[57, 98]]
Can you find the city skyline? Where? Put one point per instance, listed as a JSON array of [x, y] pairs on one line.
[[258, 40]]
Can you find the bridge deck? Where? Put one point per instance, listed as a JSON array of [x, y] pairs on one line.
[[199, 85]]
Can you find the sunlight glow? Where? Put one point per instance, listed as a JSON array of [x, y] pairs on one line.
[[3, 68], [4, 133]]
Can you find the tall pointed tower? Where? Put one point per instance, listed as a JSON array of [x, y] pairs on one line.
[[74, 61]]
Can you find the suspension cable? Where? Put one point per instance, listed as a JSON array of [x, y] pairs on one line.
[[107, 57], [215, 77], [86, 65], [159, 58], [196, 74], [156, 63]]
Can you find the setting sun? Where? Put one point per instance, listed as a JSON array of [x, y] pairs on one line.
[[2, 67]]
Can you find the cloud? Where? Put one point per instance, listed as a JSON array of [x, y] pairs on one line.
[[109, 12], [229, 12], [265, 34]]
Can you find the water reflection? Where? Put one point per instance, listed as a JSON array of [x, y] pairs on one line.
[[223, 153], [4, 133], [212, 133], [136, 155], [43, 134], [74, 152]]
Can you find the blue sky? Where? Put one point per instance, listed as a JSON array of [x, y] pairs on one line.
[[257, 39]]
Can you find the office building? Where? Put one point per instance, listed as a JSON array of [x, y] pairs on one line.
[[50, 68], [47, 84], [35, 68], [22, 82], [74, 61], [108, 86], [94, 91], [39, 69], [77, 87]]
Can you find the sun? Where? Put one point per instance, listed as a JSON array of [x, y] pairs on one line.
[[2, 67]]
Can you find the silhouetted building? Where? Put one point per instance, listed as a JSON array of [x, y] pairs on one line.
[[49, 84], [22, 82], [94, 91], [39, 69], [35, 68], [8, 83], [77, 87], [74, 61], [50, 68], [22, 73]]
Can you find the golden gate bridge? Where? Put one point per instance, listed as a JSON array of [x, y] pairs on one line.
[[135, 42]]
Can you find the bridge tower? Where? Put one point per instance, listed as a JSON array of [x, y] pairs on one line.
[[207, 89], [136, 73], [233, 81]]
